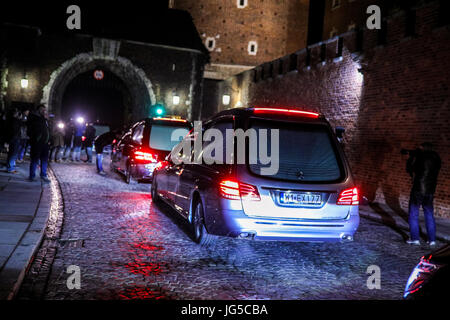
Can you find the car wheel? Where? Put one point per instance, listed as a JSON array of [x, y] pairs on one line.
[[128, 177], [201, 236], [154, 192]]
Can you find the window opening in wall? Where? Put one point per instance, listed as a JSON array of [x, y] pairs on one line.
[[252, 48], [242, 3], [210, 43]]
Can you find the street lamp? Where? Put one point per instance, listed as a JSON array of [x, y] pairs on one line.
[[61, 125], [80, 120]]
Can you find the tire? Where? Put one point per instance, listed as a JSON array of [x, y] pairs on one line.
[[154, 192], [200, 235], [128, 178]]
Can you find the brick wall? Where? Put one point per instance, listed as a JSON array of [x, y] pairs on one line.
[[387, 97], [278, 27]]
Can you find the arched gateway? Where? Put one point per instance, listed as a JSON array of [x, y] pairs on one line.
[[139, 86]]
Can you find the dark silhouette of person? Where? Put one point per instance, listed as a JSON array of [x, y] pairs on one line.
[[423, 166], [39, 133]]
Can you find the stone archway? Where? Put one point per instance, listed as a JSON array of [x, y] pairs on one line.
[[135, 79]]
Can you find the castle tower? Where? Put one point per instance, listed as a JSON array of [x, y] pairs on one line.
[[241, 34]]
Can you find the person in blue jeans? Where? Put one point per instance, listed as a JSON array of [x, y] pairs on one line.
[[39, 133], [77, 141], [23, 144], [89, 133], [100, 143], [423, 165], [13, 140]]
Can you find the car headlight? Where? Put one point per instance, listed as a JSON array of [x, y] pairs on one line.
[[420, 275]]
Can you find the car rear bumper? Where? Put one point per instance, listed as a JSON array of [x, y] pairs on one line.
[[235, 223], [143, 172]]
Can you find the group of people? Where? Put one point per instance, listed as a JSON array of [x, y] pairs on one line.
[[67, 142], [23, 129]]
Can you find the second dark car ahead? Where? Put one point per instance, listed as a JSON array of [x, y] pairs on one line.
[[136, 154]]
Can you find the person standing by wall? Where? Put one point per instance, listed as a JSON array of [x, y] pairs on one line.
[[39, 133], [2, 130], [13, 138], [23, 136], [423, 166], [89, 133]]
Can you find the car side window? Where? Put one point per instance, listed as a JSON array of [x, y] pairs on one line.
[[138, 134], [215, 151], [124, 139]]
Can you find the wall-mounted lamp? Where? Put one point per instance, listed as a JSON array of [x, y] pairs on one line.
[[24, 83], [226, 98], [176, 99]]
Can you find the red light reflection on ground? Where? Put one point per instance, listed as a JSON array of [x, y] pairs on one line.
[[142, 293], [144, 268], [147, 246]]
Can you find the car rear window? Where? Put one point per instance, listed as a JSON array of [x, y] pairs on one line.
[[160, 136], [306, 152]]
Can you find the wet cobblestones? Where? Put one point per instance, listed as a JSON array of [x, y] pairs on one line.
[[132, 249]]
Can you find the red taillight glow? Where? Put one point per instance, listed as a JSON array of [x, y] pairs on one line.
[[83, 138], [349, 197], [286, 111], [142, 156], [234, 190], [161, 165]]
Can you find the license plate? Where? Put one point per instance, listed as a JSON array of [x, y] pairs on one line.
[[294, 198]]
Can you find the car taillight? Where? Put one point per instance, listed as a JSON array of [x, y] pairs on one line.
[[349, 197], [419, 276], [286, 112], [161, 165], [234, 190], [142, 156]]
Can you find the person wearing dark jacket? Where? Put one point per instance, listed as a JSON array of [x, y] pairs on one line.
[[100, 143], [23, 136], [77, 141], [89, 134], [39, 133], [13, 138], [423, 166], [68, 137]]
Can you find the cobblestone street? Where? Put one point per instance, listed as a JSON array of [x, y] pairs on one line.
[[128, 248]]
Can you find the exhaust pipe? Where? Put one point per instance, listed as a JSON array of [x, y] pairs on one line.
[[247, 235], [347, 237]]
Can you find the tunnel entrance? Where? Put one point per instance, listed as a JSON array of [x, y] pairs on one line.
[[104, 99]]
